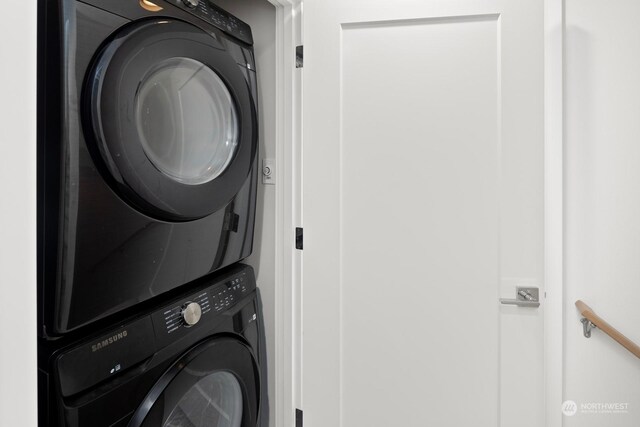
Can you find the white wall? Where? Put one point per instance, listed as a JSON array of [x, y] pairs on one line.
[[261, 16], [602, 252], [18, 365]]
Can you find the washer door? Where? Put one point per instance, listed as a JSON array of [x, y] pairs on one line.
[[216, 384], [171, 118]]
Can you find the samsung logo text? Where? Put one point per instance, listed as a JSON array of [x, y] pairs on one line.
[[108, 341]]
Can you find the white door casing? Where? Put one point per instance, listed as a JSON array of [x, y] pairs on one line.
[[423, 204]]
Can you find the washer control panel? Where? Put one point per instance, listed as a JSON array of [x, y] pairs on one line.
[[112, 352], [179, 317], [208, 11]]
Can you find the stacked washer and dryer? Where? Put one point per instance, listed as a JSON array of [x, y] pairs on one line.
[[148, 140]]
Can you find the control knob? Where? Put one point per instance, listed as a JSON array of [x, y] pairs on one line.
[[191, 313], [190, 3]]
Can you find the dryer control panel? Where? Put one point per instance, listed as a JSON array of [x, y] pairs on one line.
[[208, 11]]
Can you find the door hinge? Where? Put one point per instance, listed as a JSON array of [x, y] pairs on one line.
[[299, 238], [299, 56], [298, 417]]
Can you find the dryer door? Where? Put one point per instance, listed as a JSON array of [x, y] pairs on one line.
[[171, 118], [216, 384]]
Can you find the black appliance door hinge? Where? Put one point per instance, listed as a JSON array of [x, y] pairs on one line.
[[298, 417], [299, 238], [299, 56]]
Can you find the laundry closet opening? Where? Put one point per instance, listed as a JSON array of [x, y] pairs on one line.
[[261, 16], [152, 131]]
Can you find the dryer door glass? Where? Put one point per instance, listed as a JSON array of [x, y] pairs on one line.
[[187, 121], [171, 119], [214, 401]]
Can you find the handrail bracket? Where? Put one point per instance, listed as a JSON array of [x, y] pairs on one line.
[[587, 327]]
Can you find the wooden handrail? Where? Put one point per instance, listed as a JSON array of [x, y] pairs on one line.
[[601, 324]]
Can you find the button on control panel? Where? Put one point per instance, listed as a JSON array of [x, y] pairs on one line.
[[190, 3]]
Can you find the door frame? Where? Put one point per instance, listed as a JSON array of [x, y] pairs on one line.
[[554, 23], [288, 179], [289, 145]]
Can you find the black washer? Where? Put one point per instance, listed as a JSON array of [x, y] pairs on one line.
[[147, 371]]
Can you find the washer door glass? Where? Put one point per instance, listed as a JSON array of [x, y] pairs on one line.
[[186, 121], [214, 384], [214, 401]]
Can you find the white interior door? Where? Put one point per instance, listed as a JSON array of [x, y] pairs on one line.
[[422, 205]]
